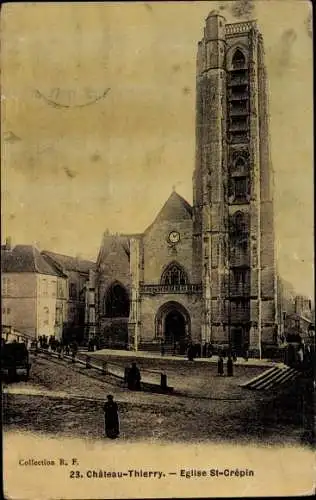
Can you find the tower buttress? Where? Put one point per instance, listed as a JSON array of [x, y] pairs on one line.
[[209, 175]]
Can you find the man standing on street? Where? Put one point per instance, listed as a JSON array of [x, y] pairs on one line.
[[111, 418], [229, 367], [134, 378]]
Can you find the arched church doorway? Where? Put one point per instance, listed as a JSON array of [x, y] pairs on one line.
[[174, 330], [239, 339], [173, 326]]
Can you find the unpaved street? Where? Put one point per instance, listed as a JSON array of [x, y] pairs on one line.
[[67, 400]]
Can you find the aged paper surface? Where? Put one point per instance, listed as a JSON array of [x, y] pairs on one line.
[[99, 119]]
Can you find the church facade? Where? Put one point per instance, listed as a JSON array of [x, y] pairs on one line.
[[205, 273]]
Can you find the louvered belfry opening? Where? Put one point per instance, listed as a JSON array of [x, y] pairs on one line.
[[238, 99], [238, 118]]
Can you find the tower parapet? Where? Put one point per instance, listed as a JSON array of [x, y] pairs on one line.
[[243, 27]]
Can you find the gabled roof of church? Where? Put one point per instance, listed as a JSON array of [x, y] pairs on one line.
[[175, 209]]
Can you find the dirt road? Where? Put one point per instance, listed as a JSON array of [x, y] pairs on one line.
[[67, 400]]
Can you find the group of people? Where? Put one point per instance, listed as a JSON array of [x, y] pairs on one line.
[[59, 346], [206, 350], [45, 342], [301, 357], [93, 345], [231, 354], [229, 366]]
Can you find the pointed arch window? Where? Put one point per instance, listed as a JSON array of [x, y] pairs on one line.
[[239, 183], [239, 224], [116, 302], [174, 275], [239, 60]]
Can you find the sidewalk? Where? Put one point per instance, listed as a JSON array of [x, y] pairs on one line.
[[154, 355]]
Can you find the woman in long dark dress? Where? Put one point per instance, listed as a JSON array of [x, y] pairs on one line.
[[111, 419], [230, 367], [220, 366], [134, 378]]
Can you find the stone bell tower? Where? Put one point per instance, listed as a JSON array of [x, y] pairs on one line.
[[233, 241]]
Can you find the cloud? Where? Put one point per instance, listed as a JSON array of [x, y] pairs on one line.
[[70, 173], [186, 90], [242, 9], [11, 137], [284, 50], [95, 157]]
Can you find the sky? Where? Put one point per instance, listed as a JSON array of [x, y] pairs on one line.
[[123, 132]]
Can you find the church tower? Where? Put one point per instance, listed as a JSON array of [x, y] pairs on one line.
[[233, 228]]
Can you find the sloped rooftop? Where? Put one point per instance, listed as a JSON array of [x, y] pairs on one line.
[[175, 209], [25, 259], [68, 263]]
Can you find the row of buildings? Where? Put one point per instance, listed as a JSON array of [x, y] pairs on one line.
[[204, 273], [44, 293]]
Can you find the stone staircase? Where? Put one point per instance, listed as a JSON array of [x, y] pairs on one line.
[[271, 379]]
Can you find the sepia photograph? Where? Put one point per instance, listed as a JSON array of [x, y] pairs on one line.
[[157, 249]]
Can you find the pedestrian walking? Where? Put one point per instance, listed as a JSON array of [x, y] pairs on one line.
[[209, 351], [220, 366], [230, 368], [162, 348], [191, 353], [74, 349], [134, 378], [111, 418]]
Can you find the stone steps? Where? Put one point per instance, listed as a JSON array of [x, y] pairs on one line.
[[273, 378], [156, 348]]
